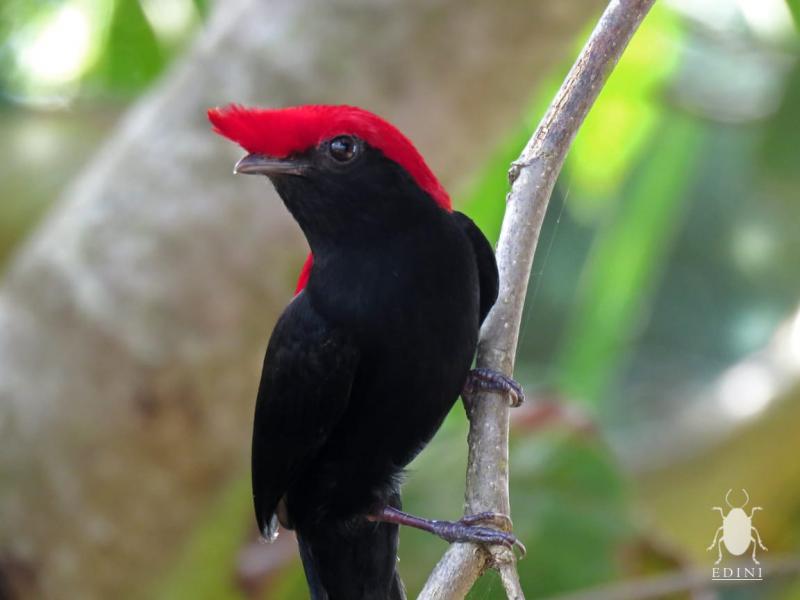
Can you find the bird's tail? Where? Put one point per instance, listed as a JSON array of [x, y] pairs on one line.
[[346, 561]]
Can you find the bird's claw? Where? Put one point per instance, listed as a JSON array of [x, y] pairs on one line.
[[467, 530], [492, 381]]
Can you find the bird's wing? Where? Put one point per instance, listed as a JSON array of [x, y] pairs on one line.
[[305, 388], [488, 278]]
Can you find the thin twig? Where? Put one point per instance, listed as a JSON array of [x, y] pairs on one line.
[[689, 580], [510, 579], [532, 178]]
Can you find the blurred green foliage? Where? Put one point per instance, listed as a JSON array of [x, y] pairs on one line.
[[206, 567], [618, 281], [58, 51], [122, 48], [132, 56], [794, 7], [778, 150], [666, 256]]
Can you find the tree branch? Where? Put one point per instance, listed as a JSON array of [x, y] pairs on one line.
[[696, 580], [532, 178]]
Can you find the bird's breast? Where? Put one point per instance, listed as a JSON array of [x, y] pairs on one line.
[[403, 292]]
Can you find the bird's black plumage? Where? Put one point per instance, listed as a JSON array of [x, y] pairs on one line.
[[365, 362]]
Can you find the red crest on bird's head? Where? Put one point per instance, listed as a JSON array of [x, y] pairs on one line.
[[284, 131]]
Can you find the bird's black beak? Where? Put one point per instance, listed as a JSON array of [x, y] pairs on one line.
[[258, 164]]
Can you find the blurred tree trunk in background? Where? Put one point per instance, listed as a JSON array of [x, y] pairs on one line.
[[132, 324]]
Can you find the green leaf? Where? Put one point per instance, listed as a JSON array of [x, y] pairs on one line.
[[779, 148], [206, 569], [132, 57], [616, 130], [794, 8], [625, 117], [624, 265]]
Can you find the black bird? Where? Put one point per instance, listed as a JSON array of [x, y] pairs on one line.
[[368, 358]]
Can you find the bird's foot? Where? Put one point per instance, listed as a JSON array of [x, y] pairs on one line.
[[469, 529], [487, 380], [466, 529]]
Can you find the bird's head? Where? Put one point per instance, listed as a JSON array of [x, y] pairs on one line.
[[341, 171]]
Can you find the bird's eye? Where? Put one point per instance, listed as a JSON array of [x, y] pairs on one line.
[[343, 148]]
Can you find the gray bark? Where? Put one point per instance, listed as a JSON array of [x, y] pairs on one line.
[[132, 324]]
